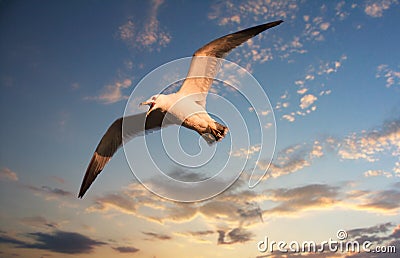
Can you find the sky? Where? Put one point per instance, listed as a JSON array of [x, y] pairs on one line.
[[331, 72]]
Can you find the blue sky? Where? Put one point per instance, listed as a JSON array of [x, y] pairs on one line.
[[67, 68]]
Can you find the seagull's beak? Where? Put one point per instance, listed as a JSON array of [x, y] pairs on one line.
[[150, 103], [145, 103]]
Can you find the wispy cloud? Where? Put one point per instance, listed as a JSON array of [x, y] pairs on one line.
[[314, 196], [156, 236], [392, 76], [236, 235], [231, 12], [289, 117], [246, 152], [386, 234], [381, 228], [8, 174], [314, 28], [233, 207], [38, 221], [113, 93], [238, 15], [49, 192], [75, 86], [376, 8], [292, 159], [310, 87], [367, 145], [379, 172], [384, 201], [200, 236], [115, 201], [126, 249], [150, 35], [307, 101], [57, 241]]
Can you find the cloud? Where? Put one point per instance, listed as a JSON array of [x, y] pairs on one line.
[[379, 172], [396, 232], [50, 192], [126, 31], [392, 76], [200, 232], [289, 118], [307, 101], [186, 176], [385, 234], [115, 201], [157, 236], [232, 19], [341, 13], [376, 8], [58, 180], [8, 175], [314, 74], [235, 12], [324, 25], [75, 86], [292, 159], [238, 15], [367, 144], [4, 239], [313, 196], [38, 221], [126, 249], [200, 236], [396, 169], [150, 35], [236, 235], [112, 93], [57, 241], [314, 28], [291, 166], [234, 206], [386, 201], [246, 152], [381, 228]]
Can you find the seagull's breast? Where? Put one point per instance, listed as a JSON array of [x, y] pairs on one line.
[[189, 113]]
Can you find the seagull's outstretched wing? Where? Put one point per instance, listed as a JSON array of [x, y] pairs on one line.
[[205, 63], [112, 140]]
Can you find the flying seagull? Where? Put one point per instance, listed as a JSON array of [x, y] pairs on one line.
[[185, 107]]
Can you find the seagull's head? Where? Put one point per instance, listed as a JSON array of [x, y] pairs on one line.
[[154, 102]]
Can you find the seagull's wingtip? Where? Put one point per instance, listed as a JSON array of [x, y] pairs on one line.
[[278, 22], [81, 193]]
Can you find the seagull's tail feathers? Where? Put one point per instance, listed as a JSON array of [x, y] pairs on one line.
[[215, 134]]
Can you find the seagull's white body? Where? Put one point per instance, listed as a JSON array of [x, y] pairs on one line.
[[186, 111], [187, 107]]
